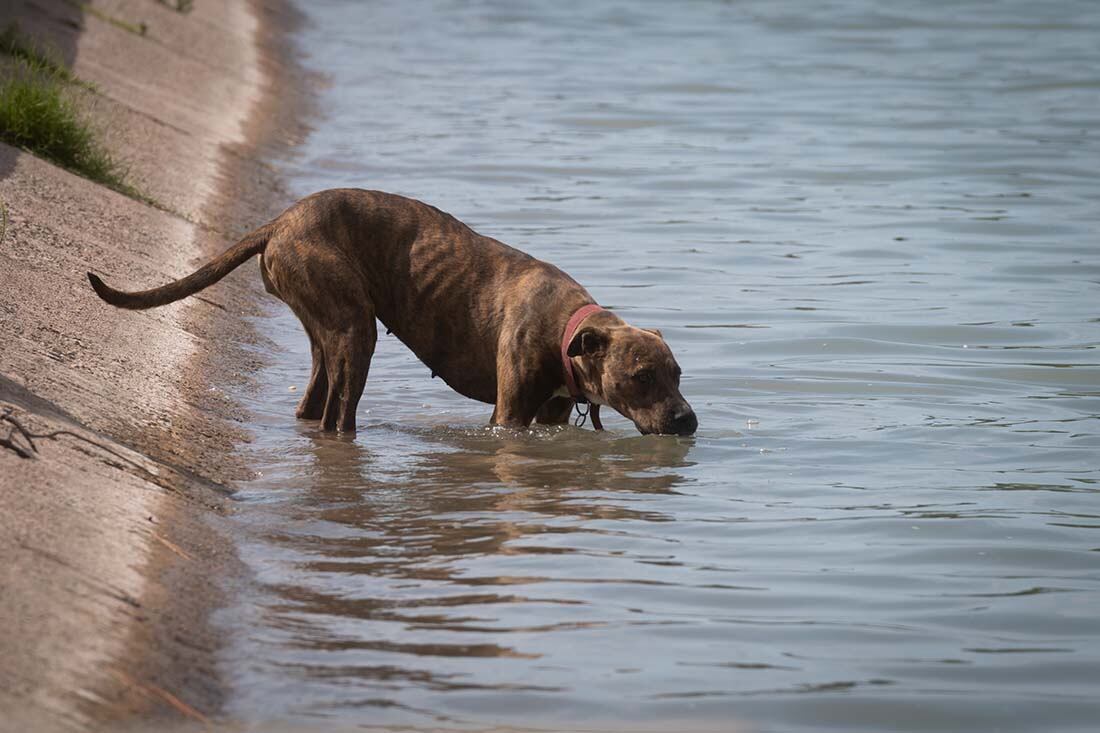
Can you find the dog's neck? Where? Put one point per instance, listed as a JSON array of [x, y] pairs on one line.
[[572, 385], [571, 327], [562, 391]]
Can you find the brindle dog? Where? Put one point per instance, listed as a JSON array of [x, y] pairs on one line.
[[485, 317]]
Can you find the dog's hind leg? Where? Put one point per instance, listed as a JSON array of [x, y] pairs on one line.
[[312, 406], [327, 293], [347, 355]]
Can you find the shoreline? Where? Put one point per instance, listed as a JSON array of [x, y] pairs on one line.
[[111, 563]]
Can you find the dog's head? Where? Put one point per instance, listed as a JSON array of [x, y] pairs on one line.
[[633, 370]]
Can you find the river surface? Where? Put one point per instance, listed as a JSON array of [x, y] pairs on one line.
[[869, 232]]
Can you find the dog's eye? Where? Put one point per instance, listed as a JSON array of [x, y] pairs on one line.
[[644, 377]]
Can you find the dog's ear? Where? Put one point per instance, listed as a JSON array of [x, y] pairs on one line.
[[588, 341], [655, 332]]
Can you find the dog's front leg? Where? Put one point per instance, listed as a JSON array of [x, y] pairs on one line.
[[517, 402], [508, 414], [555, 411]]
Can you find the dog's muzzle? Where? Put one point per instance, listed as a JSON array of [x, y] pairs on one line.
[[684, 422]]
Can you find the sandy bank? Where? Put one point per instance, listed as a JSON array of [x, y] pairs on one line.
[[109, 559]]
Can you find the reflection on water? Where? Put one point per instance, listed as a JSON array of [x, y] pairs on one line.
[[869, 232], [455, 545]]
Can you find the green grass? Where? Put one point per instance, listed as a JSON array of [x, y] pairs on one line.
[[19, 46], [36, 115], [37, 112]]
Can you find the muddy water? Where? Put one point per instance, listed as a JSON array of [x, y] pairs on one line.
[[869, 232]]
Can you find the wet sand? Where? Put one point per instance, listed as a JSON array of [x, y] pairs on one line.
[[111, 555]]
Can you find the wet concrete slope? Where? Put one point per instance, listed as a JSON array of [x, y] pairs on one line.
[[109, 560]]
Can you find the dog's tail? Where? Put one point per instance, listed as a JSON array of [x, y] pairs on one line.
[[204, 277]]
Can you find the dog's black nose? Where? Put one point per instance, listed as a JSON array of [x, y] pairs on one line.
[[685, 422]]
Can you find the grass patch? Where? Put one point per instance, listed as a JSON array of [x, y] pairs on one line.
[[17, 45], [40, 58], [36, 115]]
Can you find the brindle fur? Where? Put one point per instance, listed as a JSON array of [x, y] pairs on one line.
[[486, 318]]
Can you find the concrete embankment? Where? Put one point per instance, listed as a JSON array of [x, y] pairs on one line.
[[110, 554]]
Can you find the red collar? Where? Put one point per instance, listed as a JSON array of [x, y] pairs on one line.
[[567, 365]]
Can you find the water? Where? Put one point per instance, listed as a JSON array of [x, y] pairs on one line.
[[868, 231]]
